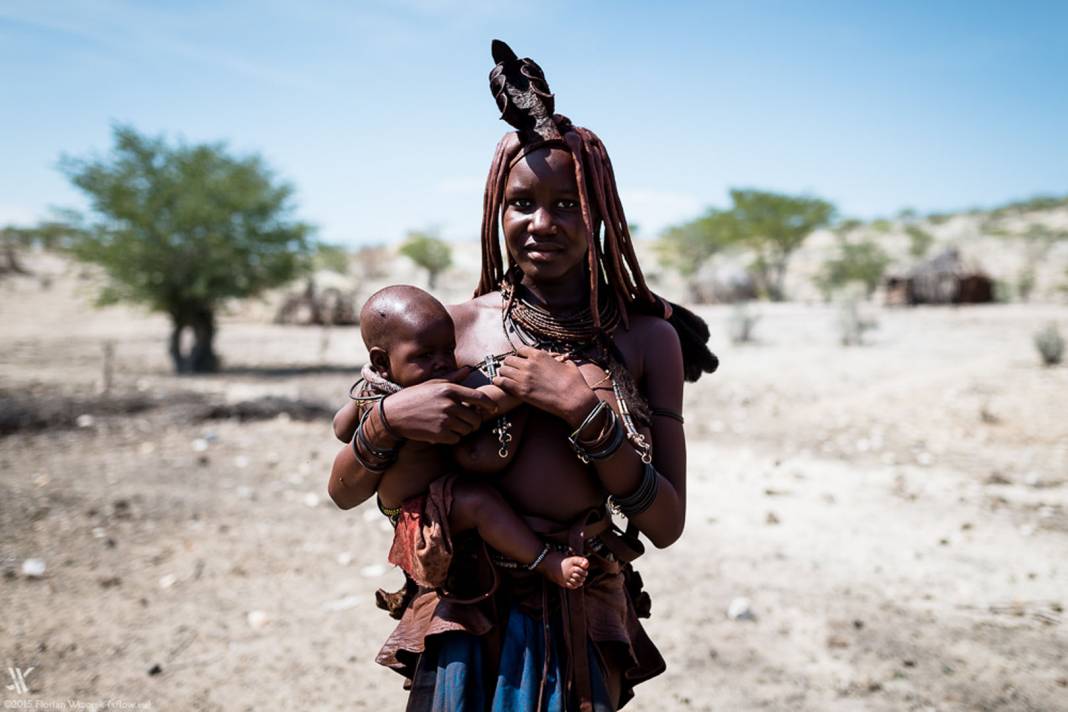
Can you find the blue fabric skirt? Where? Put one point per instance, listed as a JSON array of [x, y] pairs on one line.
[[450, 675]]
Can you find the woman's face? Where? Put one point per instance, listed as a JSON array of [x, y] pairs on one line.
[[542, 220]]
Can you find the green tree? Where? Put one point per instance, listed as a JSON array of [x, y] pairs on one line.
[[920, 240], [1037, 240], [181, 228], [687, 246], [428, 251], [331, 257], [773, 226], [863, 262]]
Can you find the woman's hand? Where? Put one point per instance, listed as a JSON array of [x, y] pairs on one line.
[[547, 381], [439, 410]]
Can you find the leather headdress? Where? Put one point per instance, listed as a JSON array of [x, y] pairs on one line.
[[523, 97], [525, 102]]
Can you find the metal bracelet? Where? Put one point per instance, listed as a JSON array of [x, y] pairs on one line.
[[377, 467], [590, 417], [385, 456], [380, 452], [385, 423], [604, 447], [615, 439], [668, 413], [642, 497]]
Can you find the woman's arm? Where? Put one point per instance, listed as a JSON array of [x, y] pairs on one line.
[[433, 412], [664, 520]]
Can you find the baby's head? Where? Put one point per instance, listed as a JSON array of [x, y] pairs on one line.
[[409, 335]]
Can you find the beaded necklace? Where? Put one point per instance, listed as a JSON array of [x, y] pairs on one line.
[[536, 326], [575, 333]]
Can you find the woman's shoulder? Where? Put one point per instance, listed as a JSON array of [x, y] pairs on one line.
[[651, 335], [473, 308], [650, 345]]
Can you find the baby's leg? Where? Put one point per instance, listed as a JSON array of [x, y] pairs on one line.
[[481, 507]]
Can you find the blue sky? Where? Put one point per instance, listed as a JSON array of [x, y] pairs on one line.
[[380, 115]]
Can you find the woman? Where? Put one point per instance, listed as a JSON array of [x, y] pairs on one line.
[[569, 325]]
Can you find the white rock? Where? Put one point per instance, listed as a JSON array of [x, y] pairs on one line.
[[147, 448], [99, 532], [167, 580], [924, 458], [84, 421], [372, 570], [311, 499], [342, 604], [740, 610], [257, 619], [200, 445], [33, 568], [344, 558], [244, 492], [241, 462]]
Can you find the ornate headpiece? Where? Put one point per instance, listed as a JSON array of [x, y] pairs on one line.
[[525, 102]]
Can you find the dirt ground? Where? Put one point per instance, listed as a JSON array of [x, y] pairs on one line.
[[895, 515]]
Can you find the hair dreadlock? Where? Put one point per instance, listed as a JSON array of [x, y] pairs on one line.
[[523, 96]]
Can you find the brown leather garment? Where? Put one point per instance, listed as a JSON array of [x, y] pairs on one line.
[[602, 611]]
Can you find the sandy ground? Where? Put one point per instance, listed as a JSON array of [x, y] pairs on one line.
[[894, 513]]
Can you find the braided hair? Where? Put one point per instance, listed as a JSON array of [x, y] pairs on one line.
[[522, 95]]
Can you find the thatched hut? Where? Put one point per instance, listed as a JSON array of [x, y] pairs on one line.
[[943, 279]]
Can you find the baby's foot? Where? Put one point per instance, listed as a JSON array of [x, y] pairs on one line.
[[565, 571]]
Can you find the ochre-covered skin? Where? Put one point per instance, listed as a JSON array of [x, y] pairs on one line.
[[551, 191]]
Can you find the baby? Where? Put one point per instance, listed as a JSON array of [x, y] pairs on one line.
[[410, 339]]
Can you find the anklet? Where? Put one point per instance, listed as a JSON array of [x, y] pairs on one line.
[[541, 557], [392, 513]]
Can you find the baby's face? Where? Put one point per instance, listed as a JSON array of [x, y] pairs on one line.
[[425, 354]]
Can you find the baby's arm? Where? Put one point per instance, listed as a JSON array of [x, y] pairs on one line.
[[345, 422]]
